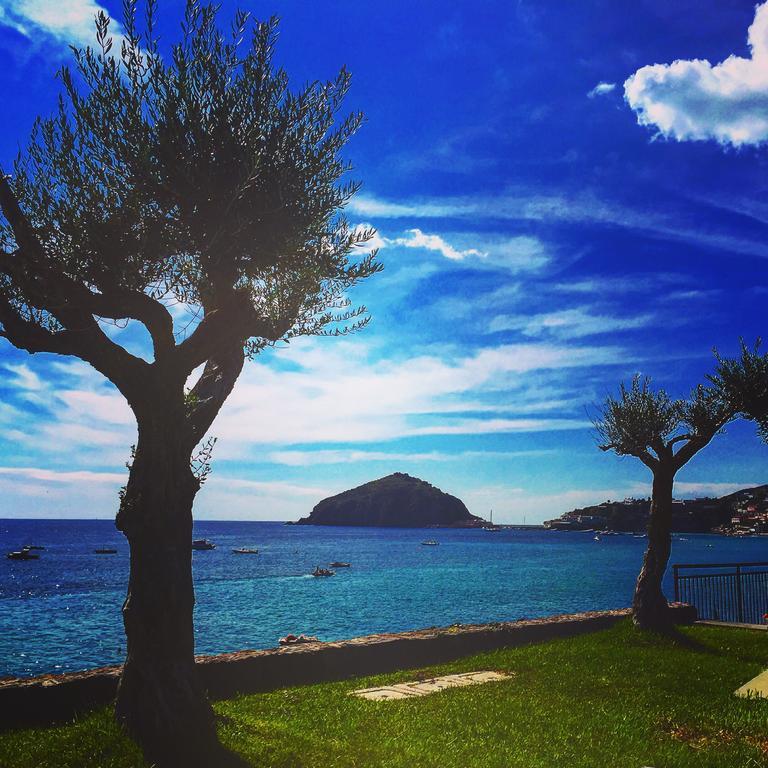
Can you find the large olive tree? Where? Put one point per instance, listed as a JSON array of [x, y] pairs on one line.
[[190, 175], [665, 434]]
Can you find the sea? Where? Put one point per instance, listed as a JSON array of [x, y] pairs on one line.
[[62, 612]]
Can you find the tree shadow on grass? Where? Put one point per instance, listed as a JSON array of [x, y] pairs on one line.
[[675, 637]]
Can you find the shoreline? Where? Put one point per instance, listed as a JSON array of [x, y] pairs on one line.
[[50, 699]]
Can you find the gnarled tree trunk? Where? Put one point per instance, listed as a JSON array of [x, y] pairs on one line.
[[650, 609], [160, 701]]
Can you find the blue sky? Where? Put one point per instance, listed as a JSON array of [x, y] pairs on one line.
[[565, 194]]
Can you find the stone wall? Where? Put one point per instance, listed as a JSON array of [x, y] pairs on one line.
[[57, 698]]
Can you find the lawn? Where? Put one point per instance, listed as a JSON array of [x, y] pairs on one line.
[[610, 699]]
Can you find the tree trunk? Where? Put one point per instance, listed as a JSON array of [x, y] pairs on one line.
[[160, 701], [650, 609]]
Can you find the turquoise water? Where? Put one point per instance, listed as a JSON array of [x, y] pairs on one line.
[[62, 612]]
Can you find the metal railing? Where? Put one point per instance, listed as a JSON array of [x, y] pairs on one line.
[[734, 592]]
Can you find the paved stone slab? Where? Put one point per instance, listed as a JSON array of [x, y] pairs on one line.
[[425, 687], [734, 624], [756, 687]]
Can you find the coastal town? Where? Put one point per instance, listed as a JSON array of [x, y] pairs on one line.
[[743, 513]]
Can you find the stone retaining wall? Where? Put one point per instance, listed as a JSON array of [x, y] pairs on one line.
[[57, 698]]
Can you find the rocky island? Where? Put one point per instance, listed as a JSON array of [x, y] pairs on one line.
[[395, 501]]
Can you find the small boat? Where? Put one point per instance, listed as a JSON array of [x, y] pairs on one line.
[[339, 564], [33, 546], [597, 538], [429, 543], [22, 554], [202, 544], [323, 571], [105, 551], [245, 551]]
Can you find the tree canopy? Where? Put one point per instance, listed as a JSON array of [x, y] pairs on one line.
[[743, 383], [195, 177], [657, 429]]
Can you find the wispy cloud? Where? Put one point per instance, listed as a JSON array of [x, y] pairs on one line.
[[586, 207], [694, 100], [521, 253], [415, 238], [601, 89], [67, 22], [346, 456], [574, 323], [52, 476], [386, 399]]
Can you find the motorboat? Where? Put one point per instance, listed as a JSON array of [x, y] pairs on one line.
[[22, 554], [430, 543], [323, 571], [202, 544], [339, 564], [245, 551]]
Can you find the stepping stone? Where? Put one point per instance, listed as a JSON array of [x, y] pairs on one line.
[[756, 687], [425, 687]]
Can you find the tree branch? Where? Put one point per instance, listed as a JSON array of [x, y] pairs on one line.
[[679, 438], [85, 340], [236, 320], [52, 289], [648, 460], [212, 389]]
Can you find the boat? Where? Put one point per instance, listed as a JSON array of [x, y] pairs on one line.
[[22, 554], [105, 551], [429, 543], [323, 571], [339, 564], [202, 544], [33, 546], [597, 538], [245, 551]]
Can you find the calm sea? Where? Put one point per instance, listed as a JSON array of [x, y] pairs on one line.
[[62, 612]]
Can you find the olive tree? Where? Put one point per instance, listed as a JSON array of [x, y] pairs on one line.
[[665, 434], [191, 175]]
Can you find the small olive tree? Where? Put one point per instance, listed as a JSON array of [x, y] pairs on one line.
[[191, 176], [665, 434]]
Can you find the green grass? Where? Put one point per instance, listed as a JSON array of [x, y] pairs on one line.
[[610, 699]]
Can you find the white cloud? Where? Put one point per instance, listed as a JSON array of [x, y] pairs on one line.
[[584, 207], [513, 505], [694, 100], [375, 400], [574, 323], [692, 490], [415, 238], [24, 377], [67, 21], [515, 253], [601, 89], [52, 476], [347, 456]]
